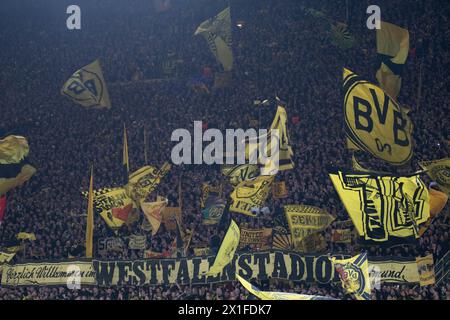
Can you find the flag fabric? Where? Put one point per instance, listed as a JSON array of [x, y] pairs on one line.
[[214, 208], [6, 257], [354, 275], [2, 208], [251, 194], [125, 158], [425, 266], [439, 171], [87, 87], [305, 220], [314, 243], [268, 295], [14, 167], [238, 173], [374, 122], [384, 209], [26, 236], [279, 190], [144, 181], [208, 190], [169, 216], [227, 249], [438, 200], [392, 49], [153, 213], [217, 32], [114, 205], [90, 218], [340, 36]]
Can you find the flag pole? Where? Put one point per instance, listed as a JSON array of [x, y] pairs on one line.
[[145, 145]]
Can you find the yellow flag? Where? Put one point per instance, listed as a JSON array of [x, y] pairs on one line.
[[6, 257], [392, 48], [90, 218], [439, 171], [144, 181], [425, 266], [239, 173], [87, 87], [13, 149], [305, 220], [153, 213], [227, 249], [268, 295], [354, 275], [26, 236], [374, 122], [251, 194], [217, 32], [383, 208]]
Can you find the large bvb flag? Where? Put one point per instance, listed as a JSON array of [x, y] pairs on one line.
[[374, 122], [14, 167], [392, 49], [87, 87], [385, 209], [217, 32]]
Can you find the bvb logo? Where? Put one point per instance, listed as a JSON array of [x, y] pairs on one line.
[[86, 88], [442, 175], [375, 122]]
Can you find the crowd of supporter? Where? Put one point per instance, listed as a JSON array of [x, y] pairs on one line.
[[279, 50]]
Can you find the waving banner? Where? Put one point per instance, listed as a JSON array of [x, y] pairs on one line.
[[114, 205], [268, 295], [305, 220], [259, 238], [87, 87], [374, 122], [251, 194], [354, 274], [384, 209], [144, 181], [240, 173], [425, 266], [439, 171]]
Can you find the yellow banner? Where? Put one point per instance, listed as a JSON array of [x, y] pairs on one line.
[[217, 32], [425, 266], [383, 208], [305, 220], [374, 122], [49, 273], [251, 194], [114, 205], [240, 173], [87, 87], [354, 274], [144, 181], [268, 295], [227, 249], [259, 238]]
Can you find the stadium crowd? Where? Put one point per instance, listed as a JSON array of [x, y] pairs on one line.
[[279, 50]]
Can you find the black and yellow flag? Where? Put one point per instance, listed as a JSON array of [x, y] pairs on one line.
[[217, 32], [144, 181], [384, 209], [251, 194], [14, 167], [125, 157], [354, 275], [269, 295], [374, 122], [305, 220], [392, 49], [425, 266], [87, 87], [241, 172], [439, 171], [153, 213], [90, 218]]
